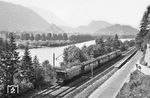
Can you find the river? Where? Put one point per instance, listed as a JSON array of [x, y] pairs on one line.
[[47, 53]]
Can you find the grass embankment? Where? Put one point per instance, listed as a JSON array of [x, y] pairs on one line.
[[137, 87]]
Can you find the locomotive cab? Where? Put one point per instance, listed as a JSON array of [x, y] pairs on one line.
[[61, 75]]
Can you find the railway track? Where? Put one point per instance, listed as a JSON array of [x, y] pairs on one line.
[[48, 90], [61, 91]]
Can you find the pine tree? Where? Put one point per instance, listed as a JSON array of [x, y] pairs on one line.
[[38, 73], [35, 62], [116, 42], [10, 58], [116, 37], [9, 62], [27, 65], [144, 24], [144, 28]]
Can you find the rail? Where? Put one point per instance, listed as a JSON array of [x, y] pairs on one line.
[[84, 86]]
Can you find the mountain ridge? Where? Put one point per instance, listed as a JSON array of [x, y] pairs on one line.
[[93, 26], [117, 29], [49, 16], [14, 17]]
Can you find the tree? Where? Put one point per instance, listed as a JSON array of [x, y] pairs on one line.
[[27, 36], [37, 37], [98, 50], [80, 38], [100, 41], [90, 50], [144, 28], [38, 73], [144, 24], [35, 62], [46, 65], [85, 51], [60, 37], [116, 42], [43, 37], [139, 41], [55, 37], [48, 71], [27, 66], [116, 37], [22, 37], [72, 38], [49, 36], [2, 44], [109, 44], [32, 37], [124, 47], [65, 36], [73, 54], [9, 61], [63, 65]]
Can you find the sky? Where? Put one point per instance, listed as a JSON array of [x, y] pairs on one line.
[[82, 12]]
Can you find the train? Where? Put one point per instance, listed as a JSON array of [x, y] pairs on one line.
[[64, 75]]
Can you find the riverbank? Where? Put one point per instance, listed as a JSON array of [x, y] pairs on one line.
[[44, 44], [52, 43]]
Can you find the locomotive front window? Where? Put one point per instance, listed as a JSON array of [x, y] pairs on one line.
[[61, 74]]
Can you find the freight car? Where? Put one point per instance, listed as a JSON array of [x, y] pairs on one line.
[[70, 73]]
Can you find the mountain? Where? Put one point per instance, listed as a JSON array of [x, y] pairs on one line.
[[68, 28], [93, 26], [117, 29], [55, 29], [19, 18], [49, 16], [87, 29]]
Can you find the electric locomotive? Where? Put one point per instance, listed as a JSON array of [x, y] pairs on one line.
[[64, 75]]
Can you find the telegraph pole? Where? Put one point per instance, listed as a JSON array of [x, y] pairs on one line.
[[53, 71], [91, 68], [53, 61], [148, 55], [91, 71]]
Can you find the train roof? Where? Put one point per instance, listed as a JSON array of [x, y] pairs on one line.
[[94, 59]]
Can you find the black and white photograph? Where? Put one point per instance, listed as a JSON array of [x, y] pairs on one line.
[[74, 49]]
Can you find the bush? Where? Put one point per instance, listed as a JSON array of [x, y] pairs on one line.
[[39, 79], [24, 87], [21, 46], [123, 48]]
